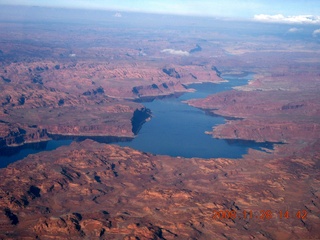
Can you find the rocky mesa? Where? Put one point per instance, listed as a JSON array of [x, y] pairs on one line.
[[99, 191]]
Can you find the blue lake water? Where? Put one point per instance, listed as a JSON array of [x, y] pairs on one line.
[[13, 154], [175, 129]]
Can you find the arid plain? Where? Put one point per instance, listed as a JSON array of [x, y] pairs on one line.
[[85, 78]]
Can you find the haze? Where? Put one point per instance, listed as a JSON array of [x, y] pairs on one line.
[[244, 9]]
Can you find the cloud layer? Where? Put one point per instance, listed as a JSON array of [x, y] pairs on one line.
[[226, 8], [175, 52], [294, 30], [279, 18], [316, 33]]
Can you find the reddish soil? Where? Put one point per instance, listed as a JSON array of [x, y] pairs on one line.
[[81, 91], [92, 190], [77, 79]]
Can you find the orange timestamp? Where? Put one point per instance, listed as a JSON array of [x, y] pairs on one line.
[[262, 214]]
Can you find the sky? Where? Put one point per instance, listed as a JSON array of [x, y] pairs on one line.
[[291, 11]]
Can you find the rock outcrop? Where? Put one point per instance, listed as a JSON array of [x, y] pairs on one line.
[[99, 191], [276, 116]]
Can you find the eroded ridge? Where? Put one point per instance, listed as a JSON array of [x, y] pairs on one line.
[[97, 190]]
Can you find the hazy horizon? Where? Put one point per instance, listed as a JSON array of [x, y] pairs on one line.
[[299, 12]]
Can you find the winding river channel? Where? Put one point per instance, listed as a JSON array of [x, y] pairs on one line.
[[175, 129]]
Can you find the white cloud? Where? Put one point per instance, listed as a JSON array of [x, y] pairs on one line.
[[118, 15], [175, 52], [294, 30], [279, 18], [316, 33]]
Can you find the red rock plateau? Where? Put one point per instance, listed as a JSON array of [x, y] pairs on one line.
[[79, 78], [91, 190], [48, 87], [276, 108]]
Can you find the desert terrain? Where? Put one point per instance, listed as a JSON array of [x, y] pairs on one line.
[[86, 79]]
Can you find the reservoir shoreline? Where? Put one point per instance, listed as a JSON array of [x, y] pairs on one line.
[[156, 128]]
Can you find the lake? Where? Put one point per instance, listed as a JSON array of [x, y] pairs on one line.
[[175, 129]]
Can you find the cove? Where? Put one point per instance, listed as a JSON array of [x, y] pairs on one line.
[[175, 129]]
